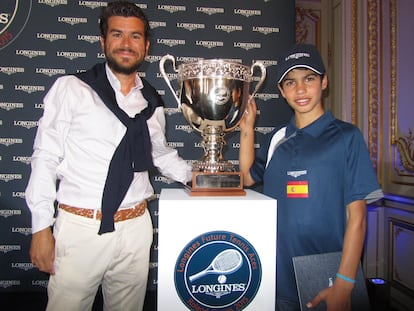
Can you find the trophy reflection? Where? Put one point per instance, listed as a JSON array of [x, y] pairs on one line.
[[213, 96]]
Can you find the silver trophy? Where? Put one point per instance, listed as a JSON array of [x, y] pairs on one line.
[[213, 94]]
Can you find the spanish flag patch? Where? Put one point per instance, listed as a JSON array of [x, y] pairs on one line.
[[297, 189]]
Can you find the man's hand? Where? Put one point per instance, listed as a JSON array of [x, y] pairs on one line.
[[42, 250]]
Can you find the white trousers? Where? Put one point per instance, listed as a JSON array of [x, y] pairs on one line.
[[119, 261]]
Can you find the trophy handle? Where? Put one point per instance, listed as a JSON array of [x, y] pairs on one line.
[[165, 76], [262, 77]]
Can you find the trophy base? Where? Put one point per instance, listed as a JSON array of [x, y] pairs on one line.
[[217, 184]]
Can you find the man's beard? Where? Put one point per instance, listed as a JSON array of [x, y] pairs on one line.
[[118, 68]]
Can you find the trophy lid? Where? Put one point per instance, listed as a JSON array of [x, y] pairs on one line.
[[214, 68]]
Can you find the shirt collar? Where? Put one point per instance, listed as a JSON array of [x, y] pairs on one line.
[[116, 84], [314, 129]]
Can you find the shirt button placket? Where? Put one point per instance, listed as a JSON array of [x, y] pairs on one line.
[[296, 149]]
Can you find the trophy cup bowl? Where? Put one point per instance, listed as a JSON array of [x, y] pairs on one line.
[[213, 95]]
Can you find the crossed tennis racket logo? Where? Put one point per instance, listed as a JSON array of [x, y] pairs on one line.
[[226, 262]]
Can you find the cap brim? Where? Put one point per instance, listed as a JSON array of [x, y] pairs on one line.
[[297, 66]]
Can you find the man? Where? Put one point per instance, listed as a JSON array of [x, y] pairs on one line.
[[319, 170], [101, 132]]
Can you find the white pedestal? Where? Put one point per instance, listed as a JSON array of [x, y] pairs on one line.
[[240, 231]]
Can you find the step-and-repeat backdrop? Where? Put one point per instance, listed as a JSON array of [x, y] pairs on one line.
[[41, 40]]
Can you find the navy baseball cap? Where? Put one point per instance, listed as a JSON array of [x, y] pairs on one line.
[[300, 55]]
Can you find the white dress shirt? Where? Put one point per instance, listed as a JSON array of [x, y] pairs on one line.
[[75, 141]]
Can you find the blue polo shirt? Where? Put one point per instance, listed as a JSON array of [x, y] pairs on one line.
[[314, 173]]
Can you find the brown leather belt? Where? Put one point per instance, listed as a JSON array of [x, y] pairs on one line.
[[121, 215]]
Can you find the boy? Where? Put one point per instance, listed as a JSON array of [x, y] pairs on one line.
[[319, 170]]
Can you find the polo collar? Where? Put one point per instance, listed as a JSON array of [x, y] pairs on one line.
[[315, 129]]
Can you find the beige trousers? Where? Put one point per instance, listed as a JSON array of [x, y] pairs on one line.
[[119, 261]]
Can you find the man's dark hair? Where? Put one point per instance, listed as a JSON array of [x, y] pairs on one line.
[[125, 9]]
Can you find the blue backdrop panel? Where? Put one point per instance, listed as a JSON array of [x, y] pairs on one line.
[[43, 39]]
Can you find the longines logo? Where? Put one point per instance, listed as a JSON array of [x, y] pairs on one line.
[[22, 230], [25, 160], [247, 13], [176, 144], [247, 45], [171, 8], [10, 177], [30, 53], [26, 266], [154, 24], [89, 38], [11, 106], [171, 42], [11, 70], [217, 270], [171, 111], [266, 62], [51, 36], [41, 283], [210, 11], [29, 88], [209, 44], [263, 129], [53, 3], [13, 18], [26, 124], [92, 4], [9, 283], [265, 30], [163, 179], [184, 128], [9, 248], [171, 76], [142, 6], [188, 59], [19, 194], [237, 146], [72, 20], [50, 71], [228, 28], [266, 96], [71, 55], [10, 212], [152, 58], [10, 141], [191, 26]]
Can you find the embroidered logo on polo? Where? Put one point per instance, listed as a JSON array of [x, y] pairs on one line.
[[297, 188], [13, 18], [218, 270]]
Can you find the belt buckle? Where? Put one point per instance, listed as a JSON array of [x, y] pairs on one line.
[[95, 214]]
